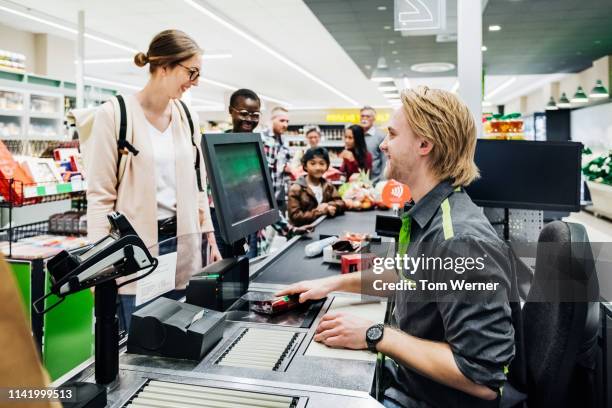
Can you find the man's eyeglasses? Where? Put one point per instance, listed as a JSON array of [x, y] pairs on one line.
[[194, 73], [244, 114]]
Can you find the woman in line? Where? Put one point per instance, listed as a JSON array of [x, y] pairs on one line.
[[159, 190], [355, 156]]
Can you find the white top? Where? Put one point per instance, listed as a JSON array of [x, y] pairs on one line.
[[318, 192], [165, 171]]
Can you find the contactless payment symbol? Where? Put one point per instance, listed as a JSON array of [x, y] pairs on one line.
[[395, 194]]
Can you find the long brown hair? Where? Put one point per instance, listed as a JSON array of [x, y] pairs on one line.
[[167, 49]]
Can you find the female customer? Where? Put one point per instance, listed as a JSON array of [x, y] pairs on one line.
[[159, 190], [355, 156]]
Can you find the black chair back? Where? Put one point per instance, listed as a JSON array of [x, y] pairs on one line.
[[561, 319]]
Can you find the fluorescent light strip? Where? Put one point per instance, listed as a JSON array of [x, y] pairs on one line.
[[532, 86], [110, 42], [217, 83], [68, 29], [124, 60], [113, 83], [455, 87], [500, 88], [38, 19], [212, 106], [206, 101], [215, 56], [106, 60], [206, 108], [233, 88], [314, 107], [406, 83], [270, 51]]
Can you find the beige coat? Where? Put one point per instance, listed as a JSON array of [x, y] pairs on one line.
[[136, 195]]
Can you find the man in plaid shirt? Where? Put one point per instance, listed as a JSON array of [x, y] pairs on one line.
[[277, 154]]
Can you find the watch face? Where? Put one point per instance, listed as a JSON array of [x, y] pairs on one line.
[[374, 333]]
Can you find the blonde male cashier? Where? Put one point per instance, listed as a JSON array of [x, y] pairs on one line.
[[447, 354]]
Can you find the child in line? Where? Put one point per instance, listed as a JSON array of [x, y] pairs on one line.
[[311, 195]]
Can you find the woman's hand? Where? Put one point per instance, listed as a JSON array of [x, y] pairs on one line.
[[347, 155], [215, 255]]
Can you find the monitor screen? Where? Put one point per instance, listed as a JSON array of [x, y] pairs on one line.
[[243, 181], [241, 185], [528, 175]]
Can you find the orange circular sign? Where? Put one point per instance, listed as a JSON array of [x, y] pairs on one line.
[[395, 194]]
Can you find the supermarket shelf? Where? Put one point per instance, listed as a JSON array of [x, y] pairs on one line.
[[11, 137], [53, 138], [333, 143], [44, 115], [53, 189], [11, 112], [37, 193]]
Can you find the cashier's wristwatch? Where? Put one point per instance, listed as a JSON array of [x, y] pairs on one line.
[[373, 335]]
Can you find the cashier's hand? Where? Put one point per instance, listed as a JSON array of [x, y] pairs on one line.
[[342, 330], [310, 289]]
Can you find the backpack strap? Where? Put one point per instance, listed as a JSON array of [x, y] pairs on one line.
[[194, 144], [124, 147]]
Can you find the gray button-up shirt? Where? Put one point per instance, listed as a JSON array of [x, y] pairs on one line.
[[478, 328], [374, 137]]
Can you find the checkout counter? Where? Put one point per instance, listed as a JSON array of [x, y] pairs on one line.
[[265, 361], [260, 360]]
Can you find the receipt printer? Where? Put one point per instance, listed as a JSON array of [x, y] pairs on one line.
[[170, 328], [220, 284]]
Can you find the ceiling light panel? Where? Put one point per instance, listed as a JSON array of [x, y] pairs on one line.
[[264, 47]]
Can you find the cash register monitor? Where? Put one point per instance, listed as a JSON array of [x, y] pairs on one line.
[[527, 174], [240, 182]]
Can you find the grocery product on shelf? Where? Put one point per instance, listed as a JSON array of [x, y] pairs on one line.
[[41, 170], [41, 246], [12, 61], [44, 104], [68, 223], [503, 127], [11, 100], [10, 128], [11, 170], [43, 128]]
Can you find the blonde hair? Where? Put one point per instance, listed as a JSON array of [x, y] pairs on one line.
[[444, 120], [278, 110], [168, 49]]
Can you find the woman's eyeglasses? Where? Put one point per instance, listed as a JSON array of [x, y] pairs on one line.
[[244, 114], [194, 73]]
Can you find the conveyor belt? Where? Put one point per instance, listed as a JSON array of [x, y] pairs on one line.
[[162, 394], [293, 266], [361, 221]]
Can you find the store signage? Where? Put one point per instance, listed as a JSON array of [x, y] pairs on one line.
[[417, 15], [353, 117]]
